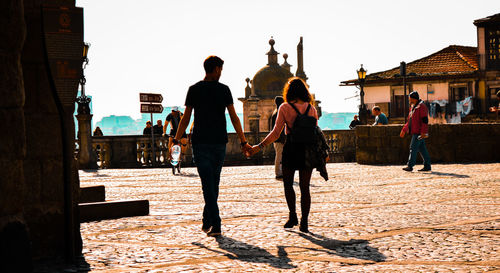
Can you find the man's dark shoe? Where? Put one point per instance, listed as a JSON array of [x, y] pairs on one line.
[[408, 169], [304, 227], [425, 169], [215, 232], [292, 221], [206, 228]]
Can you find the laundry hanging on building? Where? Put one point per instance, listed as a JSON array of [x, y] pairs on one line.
[[442, 111]]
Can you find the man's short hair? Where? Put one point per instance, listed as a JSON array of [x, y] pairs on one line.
[[211, 63], [376, 108]]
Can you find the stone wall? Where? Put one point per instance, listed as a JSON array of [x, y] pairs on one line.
[[14, 241], [460, 143], [35, 166], [132, 151]]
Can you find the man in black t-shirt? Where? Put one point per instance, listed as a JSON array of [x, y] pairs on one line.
[[174, 119], [209, 99], [158, 128], [147, 129]]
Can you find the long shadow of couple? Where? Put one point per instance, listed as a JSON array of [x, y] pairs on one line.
[[237, 250]]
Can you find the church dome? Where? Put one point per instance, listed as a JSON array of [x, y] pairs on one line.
[[269, 81]]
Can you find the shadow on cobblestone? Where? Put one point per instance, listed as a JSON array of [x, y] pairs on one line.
[[450, 174], [358, 249], [187, 174], [59, 265], [237, 250]]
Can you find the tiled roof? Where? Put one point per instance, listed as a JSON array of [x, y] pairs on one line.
[[488, 20], [452, 60]]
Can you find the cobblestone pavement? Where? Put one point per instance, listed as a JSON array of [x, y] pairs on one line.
[[364, 219]]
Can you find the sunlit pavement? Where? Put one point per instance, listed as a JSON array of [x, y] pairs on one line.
[[364, 219]]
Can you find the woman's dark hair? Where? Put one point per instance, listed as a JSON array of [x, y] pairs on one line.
[[211, 63], [296, 89]]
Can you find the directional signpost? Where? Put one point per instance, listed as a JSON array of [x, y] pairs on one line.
[[153, 105], [151, 108]]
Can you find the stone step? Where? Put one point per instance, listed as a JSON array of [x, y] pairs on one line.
[[112, 210], [92, 194]]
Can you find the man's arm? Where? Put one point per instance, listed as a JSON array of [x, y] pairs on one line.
[[184, 122], [424, 115], [236, 123]]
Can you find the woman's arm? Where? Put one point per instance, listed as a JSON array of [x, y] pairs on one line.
[[278, 128]]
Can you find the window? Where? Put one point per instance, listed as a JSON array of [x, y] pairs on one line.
[[398, 101], [459, 91], [493, 96], [493, 48]]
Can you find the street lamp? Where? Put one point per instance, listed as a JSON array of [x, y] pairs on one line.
[[83, 101], [362, 107]]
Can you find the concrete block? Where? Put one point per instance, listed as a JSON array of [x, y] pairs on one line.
[[92, 194], [112, 210], [362, 131], [363, 142]]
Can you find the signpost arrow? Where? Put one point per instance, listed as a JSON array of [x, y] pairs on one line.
[[150, 97], [151, 108]]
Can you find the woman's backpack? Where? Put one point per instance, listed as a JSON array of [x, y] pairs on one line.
[[304, 127]]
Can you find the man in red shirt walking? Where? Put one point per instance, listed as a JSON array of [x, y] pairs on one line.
[[417, 126]]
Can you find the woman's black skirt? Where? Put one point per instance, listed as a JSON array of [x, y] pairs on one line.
[[294, 155]]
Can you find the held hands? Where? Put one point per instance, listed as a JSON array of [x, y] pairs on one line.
[[245, 149], [249, 150], [255, 149]]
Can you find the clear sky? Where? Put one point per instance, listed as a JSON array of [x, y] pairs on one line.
[[159, 46]]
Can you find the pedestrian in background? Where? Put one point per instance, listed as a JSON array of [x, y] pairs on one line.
[[417, 127], [380, 118], [355, 122], [147, 129], [158, 128], [280, 142]]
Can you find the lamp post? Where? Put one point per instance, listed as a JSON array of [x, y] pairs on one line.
[[83, 101], [402, 72], [86, 157], [362, 107]]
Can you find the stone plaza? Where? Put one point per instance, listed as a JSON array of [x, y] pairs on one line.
[[364, 219]]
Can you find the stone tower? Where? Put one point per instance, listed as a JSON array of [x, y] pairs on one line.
[[300, 61], [267, 83]]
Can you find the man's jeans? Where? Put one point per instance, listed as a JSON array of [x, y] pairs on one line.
[[416, 146], [209, 159], [278, 148]]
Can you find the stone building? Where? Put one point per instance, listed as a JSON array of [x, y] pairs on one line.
[[267, 83], [452, 74], [39, 184]]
